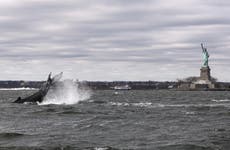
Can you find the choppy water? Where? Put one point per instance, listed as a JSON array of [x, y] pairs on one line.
[[161, 120]]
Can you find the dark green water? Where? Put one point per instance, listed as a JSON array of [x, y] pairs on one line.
[[161, 120]]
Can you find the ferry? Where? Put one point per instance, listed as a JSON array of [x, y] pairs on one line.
[[122, 87]]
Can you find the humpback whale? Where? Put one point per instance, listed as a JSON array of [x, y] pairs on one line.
[[41, 93]]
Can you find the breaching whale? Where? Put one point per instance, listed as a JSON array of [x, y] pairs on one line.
[[38, 97]]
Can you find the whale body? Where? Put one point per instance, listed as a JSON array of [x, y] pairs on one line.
[[38, 97]]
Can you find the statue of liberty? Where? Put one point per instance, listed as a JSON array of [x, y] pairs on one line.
[[205, 56]]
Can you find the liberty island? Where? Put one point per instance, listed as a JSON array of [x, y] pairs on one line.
[[205, 81]]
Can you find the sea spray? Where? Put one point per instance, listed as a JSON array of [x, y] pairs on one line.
[[67, 92]]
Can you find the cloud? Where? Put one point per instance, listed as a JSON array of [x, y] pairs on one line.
[[113, 40]]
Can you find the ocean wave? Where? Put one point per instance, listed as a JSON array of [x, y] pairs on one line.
[[187, 147], [10, 135], [97, 101], [55, 148], [221, 100], [105, 148], [159, 105], [71, 112], [142, 104], [119, 104], [38, 148], [190, 113]]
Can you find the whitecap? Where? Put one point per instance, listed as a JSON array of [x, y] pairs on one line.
[[142, 104], [221, 100], [160, 105], [119, 104], [190, 113]]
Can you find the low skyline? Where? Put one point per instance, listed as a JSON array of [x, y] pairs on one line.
[[113, 40]]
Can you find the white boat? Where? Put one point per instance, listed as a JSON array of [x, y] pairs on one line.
[[122, 87]]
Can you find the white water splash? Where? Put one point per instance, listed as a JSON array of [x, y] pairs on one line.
[[67, 93]]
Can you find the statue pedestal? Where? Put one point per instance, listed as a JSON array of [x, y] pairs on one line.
[[205, 73], [204, 80]]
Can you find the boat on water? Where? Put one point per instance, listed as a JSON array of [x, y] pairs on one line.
[[122, 87]]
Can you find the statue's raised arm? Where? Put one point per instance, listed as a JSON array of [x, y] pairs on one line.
[[205, 55], [202, 46]]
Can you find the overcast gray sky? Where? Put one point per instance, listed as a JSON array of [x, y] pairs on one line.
[[113, 39]]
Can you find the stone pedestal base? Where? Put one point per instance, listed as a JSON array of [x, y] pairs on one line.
[[204, 82], [208, 85], [205, 73]]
